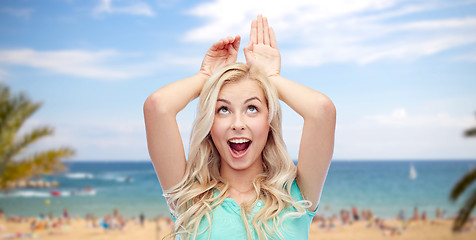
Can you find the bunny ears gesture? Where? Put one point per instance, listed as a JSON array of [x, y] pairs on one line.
[[262, 50], [261, 33]]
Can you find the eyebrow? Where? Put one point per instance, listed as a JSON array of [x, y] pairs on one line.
[[252, 98], [247, 100]]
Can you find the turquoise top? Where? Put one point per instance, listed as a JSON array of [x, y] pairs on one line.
[[227, 222]]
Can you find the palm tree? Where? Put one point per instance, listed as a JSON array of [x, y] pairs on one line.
[[15, 165], [471, 132], [464, 183]]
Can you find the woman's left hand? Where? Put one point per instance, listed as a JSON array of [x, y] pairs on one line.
[[263, 49], [220, 54]]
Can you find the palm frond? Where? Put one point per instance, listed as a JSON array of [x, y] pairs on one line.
[[15, 148], [470, 132], [46, 162], [463, 184], [465, 212], [14, 172], [14, 110]]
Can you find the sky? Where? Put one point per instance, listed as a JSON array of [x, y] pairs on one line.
[[401, 73]]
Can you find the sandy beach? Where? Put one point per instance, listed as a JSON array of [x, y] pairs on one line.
[[81, 228]]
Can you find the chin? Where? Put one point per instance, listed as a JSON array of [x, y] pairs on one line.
[[240, 164]]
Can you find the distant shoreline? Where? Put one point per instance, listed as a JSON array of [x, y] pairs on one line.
[[334, 160], [132, 186]]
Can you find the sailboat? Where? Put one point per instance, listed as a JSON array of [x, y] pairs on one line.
[[413, 173]]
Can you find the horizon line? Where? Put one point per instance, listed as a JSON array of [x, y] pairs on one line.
[[294, 160]]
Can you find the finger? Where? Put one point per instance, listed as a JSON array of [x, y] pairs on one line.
[[218, 45], [254, 32], [232, 53], [272, 38], [247, 50], [229, 41], [265, 31], [215, 46], [236, 43], [223, 43], [260, 29]]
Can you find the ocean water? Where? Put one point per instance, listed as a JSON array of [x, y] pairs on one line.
[[133, 188]]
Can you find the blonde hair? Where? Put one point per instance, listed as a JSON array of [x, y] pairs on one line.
[[193, 198]]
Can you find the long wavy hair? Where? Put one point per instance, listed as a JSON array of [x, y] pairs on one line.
[[193, 198]]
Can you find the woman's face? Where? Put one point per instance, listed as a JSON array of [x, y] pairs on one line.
[[240, 128]]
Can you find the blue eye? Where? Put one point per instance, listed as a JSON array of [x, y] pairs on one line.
[[223, 110], [252, 109]]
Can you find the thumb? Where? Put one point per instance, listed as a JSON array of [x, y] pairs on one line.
[[248, 54], [248, 49]]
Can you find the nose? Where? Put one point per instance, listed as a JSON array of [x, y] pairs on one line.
[[238, 123]]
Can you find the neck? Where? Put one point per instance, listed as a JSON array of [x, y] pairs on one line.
[[241, 180]]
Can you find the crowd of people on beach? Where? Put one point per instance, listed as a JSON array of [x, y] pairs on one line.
[[350, 216], [115, 221], [54, 225]]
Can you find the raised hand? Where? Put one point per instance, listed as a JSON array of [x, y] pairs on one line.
[[220, 54], [262, 49]]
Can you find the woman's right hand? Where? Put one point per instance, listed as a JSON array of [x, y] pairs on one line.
[[262, 50], [220, 54]]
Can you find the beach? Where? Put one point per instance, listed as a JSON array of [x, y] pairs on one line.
[[81, 229], [120, 192]]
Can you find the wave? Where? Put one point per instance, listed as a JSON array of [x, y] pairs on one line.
[[134, 172], [90, 192], [106, 177], [124, 179], [29, 194], [79, 175], [115, 177], [47, 194]]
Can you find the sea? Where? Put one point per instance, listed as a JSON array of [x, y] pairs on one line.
[[386, 187]]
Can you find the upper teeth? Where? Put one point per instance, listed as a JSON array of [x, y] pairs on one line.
[[242, 140]]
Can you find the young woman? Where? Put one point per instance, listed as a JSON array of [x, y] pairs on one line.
[[239, 181]]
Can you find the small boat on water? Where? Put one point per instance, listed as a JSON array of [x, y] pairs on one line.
[[128, 179], [83, 191], [55, 193], [413, 173]]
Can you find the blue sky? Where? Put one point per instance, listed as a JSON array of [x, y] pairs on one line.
[[401, 73]]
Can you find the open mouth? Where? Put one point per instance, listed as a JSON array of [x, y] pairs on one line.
[[239, 146]]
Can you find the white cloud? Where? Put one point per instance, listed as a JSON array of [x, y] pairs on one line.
[[133, 8], [400, 118], [101, 65], [342, 30], [98, 65], [368, 140], [96, 140], [402, 134]]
